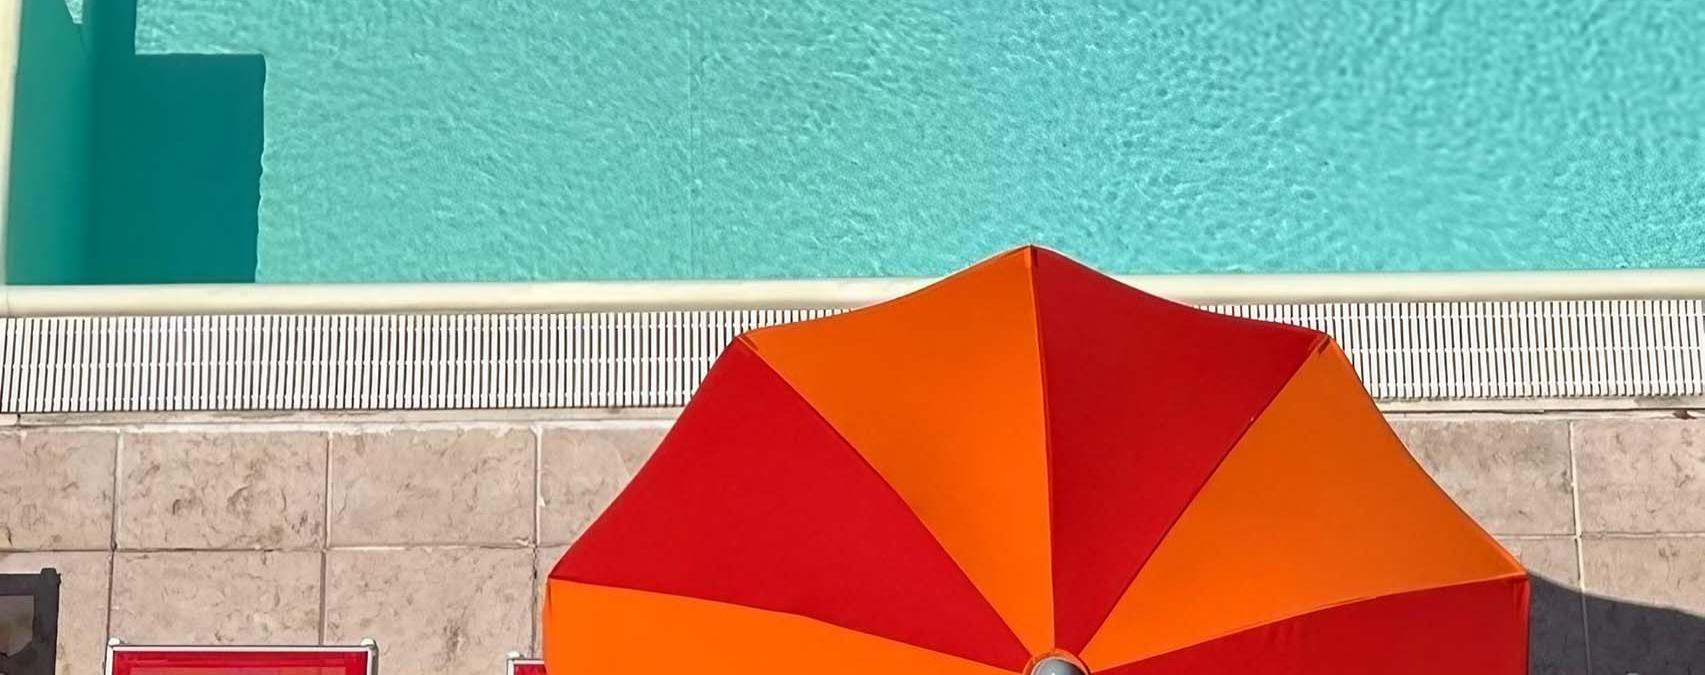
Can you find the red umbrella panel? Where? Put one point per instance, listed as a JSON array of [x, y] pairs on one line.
[[1032, 467]]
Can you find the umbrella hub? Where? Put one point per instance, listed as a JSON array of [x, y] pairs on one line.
[[1057, 665]]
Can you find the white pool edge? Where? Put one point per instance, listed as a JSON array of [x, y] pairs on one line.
[[11, 22], [635, 296]]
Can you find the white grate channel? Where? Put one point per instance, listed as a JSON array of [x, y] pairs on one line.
[[1404, 351]]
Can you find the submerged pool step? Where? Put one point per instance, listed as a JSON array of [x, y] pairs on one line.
[[1403, 351]]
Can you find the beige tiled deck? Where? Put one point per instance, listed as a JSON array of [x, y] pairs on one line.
[[432, 535], [406, 486], [57, 489], [432, 610], [222, 490], [217, 597]]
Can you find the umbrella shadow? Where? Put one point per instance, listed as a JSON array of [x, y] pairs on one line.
[[1622, 637]]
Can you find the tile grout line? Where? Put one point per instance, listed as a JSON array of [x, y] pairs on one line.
[[1533, 537], [1580, 549], [381, 420], [406, 546], [166, 424], [112, 534], [325, 533], [533, 564], [1603, 535], [402, 546], [645, 418]]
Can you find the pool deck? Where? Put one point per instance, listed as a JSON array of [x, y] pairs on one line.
[[1604, 506]]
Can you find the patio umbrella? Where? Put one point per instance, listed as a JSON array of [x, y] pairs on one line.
[[1031, 467]]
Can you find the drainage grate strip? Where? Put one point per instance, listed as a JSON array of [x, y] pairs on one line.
[[1403, 351]]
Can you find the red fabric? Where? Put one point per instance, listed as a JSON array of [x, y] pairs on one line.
[[754, 500], [1144, 397], [528, 668], [189, 661], [1472, 629]]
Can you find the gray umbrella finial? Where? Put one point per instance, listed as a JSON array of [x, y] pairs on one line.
[[1054, 665]]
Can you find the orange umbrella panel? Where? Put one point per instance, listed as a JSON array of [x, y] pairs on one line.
[[1032, 467]]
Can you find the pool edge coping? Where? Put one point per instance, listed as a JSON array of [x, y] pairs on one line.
[[604, 296]]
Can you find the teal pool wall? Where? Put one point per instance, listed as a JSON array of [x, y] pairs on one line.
[[178, 139], [48, 205], [129, 168], [439, 140]]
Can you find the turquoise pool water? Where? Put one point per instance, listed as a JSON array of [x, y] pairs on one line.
[[411, 140]]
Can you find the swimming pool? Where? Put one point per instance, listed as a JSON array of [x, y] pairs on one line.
[[438, 140]]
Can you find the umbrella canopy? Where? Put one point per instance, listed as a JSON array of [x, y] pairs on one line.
[[1029, 466]]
